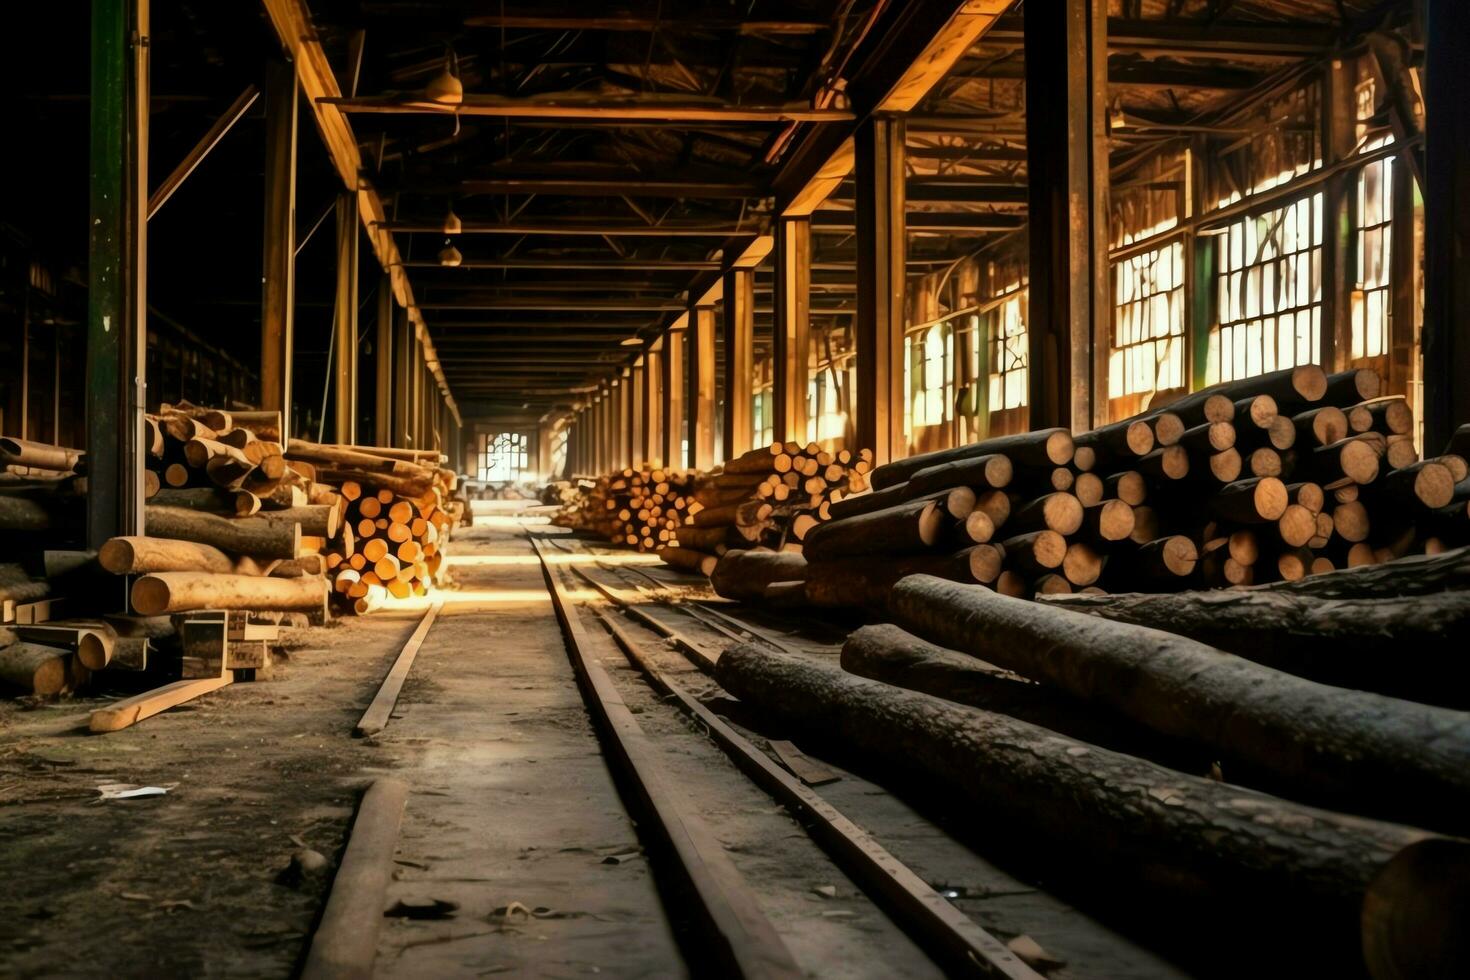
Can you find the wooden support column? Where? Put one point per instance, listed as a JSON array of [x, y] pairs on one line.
[[653, 404], [344, 330], [674, 391], [628, 431], [383, 367], [1067, 166], [637, 421], [879, 171], [701, 406], [117, 270], [402, 377], [278, 275], [1446, 338], [739, 330], [791, 337]]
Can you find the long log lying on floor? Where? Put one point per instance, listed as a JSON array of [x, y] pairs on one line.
[[243, 535], [171, 592], [912, 526], [1343, 642], [1412, 575], [685, 558], [744, 575], [33, 668], [42, 455], [1256, 860], [140, 555], [884, 652], [864, 581], [1044, 447], [1378, 754]]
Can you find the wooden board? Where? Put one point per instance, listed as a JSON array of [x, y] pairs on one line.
[[375, 718], [130, 711], [802, 766]]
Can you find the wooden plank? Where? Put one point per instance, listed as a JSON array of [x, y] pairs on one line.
[[791, 334], [130, 711], [344, 328], [207, 142], [882, 277], [730, 907], [673, 392], [566, 106], [346, 941], [375, 718], [949, 935], [802, 766]]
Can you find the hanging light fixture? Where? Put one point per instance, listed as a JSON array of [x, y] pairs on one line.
[[452, 224], [446, 88], [449, 255]]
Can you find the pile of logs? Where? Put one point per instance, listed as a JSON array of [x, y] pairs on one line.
[[1266, 479], [1240, 758], [637, 508]]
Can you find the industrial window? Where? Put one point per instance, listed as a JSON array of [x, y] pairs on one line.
[[1374, 221], [763, 429], [1006, 328], [503, 457], [929, 356], [1148, 322], [825, 418], [1269, 291]]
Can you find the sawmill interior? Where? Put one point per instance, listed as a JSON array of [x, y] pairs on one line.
[[828, 488]]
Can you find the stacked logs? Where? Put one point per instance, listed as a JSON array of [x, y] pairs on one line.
[[1270, 478], [773, 497], [397, 510], [42, 494], [636, 508]]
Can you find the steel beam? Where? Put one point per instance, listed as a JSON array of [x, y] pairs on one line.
[[1066, 53], [278, 275], [344, 323], [791, 332], [881, 276], [117, 275]]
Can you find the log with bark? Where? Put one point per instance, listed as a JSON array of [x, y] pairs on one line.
[[1381, 755], [744, 574], [1042, 448], [140, 555], [1243, 860], [912, 526], [253, 536], [171, 592], [34, 668]]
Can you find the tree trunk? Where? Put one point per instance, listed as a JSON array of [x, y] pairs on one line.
[[1413, 575], [694, 561], [23, 514], [253, 536], [1043, 448], [863, 583], [1343, 642], [34, 668], [744, 574], [211, 500], [43, 455], [866, 503], [140, 555], [1381, 755], [978, 473], [171, 592], [1242, 859], [912, 526]]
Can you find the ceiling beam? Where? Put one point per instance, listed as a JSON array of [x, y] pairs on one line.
[[598, 18], [590, 187], [571, 105], [573, 264], [1197, 39], [958, 222], [579, 226], [553, 303]]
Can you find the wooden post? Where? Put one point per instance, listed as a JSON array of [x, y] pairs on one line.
[[739, 332], [653, 404], [278, 275], [383, 365], [674, 390], [791, 336], [628, 431], [702, 387], [344, 330], [1339, 137], [637, 421], [1067, 164], [879, 173], [402, 377], [1446, 222], [117, 273]]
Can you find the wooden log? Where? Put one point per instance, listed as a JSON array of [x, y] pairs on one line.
[[1164, 464], [34, 668], [42, 455], [141, 555], [743, 574], [1209, 438], [1379, 754], [1128, 486], [760, 460], [976, 472], [1334, 641], [265, 424], [23, 514], [694, 561], [912, 526], [1036, 553], [705, 539], [1254, 501], [862, 583], [1042, 448], [244, 535], [1350, 387], [1238, 859], [1408, 576], [884, 652], [403, 486], [1106, 524], [1059, 512], [1162, 563], [211, 500], [1118, 442], [1254, 412], [170, 592], [1353, 459], [1425, 484], [317, 520]]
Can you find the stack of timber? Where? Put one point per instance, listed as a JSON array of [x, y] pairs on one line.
[[1215, 781], [769, 499], [42, 510], [638, 508], [396, 509], [1267, 479]]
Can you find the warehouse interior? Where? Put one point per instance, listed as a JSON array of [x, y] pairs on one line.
[[833, 488]]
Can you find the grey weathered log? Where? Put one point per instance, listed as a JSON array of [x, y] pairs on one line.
[[866, 503], [1352, 386], [208, 499], [864, 583], [33, 667], [19, 513], [744, 574], [1380, 755], [1042, 448], [1253, 860], [907, 528], [1412, 575], [1118, 442], [1342, 642], [244, 535]]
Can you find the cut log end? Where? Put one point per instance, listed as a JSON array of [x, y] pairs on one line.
[[1414, 912], [1168, 429], [1060, 447], [1310, 382], [1140, 438]]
